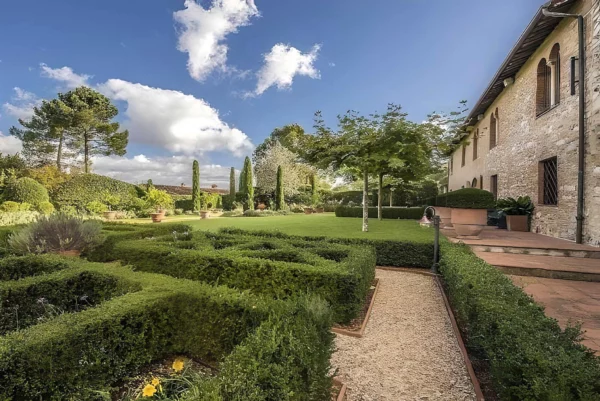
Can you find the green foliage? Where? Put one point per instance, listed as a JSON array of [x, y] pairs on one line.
[[18, 267], [10, 206], [232, 191], [522, 206], [17, 218], [26, 207], [158, 199], [26, 190], [264, 213], [196, 187], [207, 201], [86, 188], [529, 356], [149, 184], [248, 188], [56, 233], [96, 207], [49, 176], [469, 198], [314, 194], [279, 200], [408, 213], [45, 208]]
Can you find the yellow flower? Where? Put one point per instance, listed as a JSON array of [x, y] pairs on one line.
[[155, 381], [178, 364], [149, 390]]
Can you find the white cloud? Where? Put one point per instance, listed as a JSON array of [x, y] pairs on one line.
[[65, 75], [174, 121], [173, 170], [9, 144], [203, 32], [21, 104], [281, 64]]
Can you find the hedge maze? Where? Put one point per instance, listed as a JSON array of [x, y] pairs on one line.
[[259, 308]]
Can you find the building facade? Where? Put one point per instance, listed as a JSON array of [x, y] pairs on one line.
[[522, 136]]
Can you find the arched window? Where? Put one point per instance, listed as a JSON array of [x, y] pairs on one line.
[[475, 144], [542, 93], [554, 64], [474, 183], [494, 124]]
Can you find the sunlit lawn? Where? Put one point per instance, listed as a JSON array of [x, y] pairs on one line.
[[325, 224]]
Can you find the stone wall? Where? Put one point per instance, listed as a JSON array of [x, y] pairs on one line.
[[524, 139]]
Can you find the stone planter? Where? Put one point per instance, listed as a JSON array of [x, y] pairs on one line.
[[204, 214], [517, 223], [468, 222], [320, 210], [445, 214], [157, 217], [308, 210], [109, 215]]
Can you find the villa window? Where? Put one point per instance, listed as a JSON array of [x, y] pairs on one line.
[[548, 181], [480, 182], [542, 92], [494, 125], [451, 164], [494, 186], [474, 183], [464, 156], [475, 144], [554, 64]]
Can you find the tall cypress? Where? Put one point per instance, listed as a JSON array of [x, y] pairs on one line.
[[242, 179], [279, 200], [248, 187], [313, 189], [232, 185], [196, 186]]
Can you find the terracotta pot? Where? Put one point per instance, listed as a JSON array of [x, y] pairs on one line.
[[320, 210], [72, 253], [517, 223], [445, 214], [468, 222], [157, 217], [261, 206], [308, 210], [109, 215], [162, 212], [204, 214]]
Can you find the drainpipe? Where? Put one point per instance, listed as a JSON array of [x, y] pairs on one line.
[[580, 23]]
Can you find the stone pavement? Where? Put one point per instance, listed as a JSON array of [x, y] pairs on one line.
[[568, 301]]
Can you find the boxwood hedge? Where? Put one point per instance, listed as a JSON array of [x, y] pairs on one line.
[[267, 349], [404, 213], [529, 356]]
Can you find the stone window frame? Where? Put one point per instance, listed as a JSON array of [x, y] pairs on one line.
[[543, 182], [476, 144], [494, 128], [547, 93]]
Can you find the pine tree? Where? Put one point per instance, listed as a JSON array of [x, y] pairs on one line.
[[196, 201], [248, 184], [279, 200], [232, 185]]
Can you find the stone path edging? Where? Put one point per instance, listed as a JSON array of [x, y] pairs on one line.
[[360, 333]]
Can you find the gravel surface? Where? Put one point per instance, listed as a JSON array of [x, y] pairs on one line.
[[408, 351]]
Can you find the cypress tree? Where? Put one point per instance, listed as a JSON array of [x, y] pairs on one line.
[[279, 200], [232, 185], [313, 189], [196, 186], [249, 188], [149, 185], [242, 179]]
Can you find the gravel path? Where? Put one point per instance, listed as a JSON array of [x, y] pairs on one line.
[[408, 351]]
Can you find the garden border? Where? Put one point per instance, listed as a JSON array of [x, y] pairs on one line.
[[342, 394], [360, 333]]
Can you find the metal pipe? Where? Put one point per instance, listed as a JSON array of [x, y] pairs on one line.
[[581, 168]]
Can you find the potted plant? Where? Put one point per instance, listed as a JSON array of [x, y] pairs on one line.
[[159, 200], [111, 201], [518, 212], [469, 210]]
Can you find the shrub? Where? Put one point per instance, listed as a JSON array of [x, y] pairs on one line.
[[49, 176], [470, 198], [522, 206], [9, 206], [68, 210], [411, 213], [178, 212], [45, 208], [26, 207], [18, 267], [529, 356], [17, 218], [158, 199], [96, 207], [86, 188], [26, 190], [56, 233]]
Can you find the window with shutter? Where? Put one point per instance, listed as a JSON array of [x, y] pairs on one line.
[[542, 94]]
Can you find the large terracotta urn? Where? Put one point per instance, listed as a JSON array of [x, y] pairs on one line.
[[468, 222], [204, 214], [517, 223], [445, 214], [157, 217], [110, 215]]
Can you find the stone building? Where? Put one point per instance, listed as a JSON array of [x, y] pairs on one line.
[[522, 135]]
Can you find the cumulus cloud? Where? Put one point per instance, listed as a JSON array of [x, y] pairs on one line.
[[21, 104], [9, 144], [174, 121], [282, 64], [65, 75], [203, 32], [173, 170]]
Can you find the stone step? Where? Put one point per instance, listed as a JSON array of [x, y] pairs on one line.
[[535, 250], [566, 268]]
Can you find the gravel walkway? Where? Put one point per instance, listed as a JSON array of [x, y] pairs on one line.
[[408, 351]]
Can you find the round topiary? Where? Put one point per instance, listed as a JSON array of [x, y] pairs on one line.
[[45, 208], [9, 206], [26, 190], [470, 198]]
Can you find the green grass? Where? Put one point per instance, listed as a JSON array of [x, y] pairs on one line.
[[325, 224]]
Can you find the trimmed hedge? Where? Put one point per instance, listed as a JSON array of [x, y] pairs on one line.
[[85, 188], [529, 356], [467, 198], [272, 267], [26, 190], [185, 201], [269, 350], [410, 213]]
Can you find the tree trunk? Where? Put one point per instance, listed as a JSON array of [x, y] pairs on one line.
[[380, 197], [59, 152], [365, 225], [391, 198], [86, 155]]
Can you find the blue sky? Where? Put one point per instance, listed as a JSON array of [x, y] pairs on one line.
[[333, 55]]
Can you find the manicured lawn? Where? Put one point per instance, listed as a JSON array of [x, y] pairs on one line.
[[325, 224]]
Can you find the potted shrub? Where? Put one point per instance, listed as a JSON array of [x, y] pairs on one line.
[[518, 211], [112, 201], [159, 200], [469, 210], [443, 211]]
